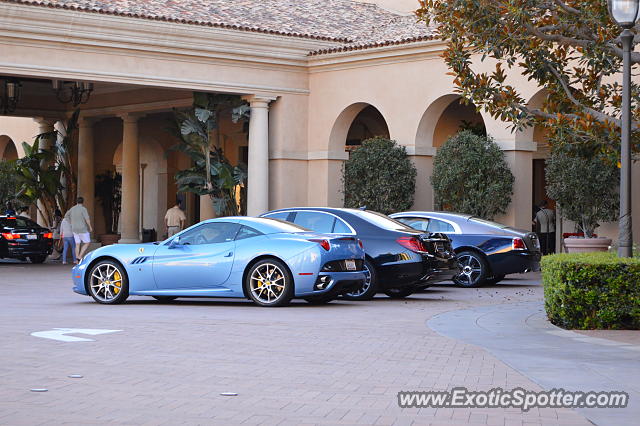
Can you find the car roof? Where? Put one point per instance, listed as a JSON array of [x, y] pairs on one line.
[[262, 224]]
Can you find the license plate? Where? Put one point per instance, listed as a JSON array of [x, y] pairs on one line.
[[350, 264], [32, 237]]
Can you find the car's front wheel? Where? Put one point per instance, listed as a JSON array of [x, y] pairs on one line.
[[474, 269], [269, 283], [370, 286], [108, 283]]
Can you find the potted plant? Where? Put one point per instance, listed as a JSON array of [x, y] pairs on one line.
[[582, 186], [108, 191]]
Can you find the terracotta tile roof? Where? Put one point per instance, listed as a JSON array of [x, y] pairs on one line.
[[355, 24]]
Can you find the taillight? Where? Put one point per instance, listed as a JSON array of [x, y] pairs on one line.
[[48, 235], [323, 243], [9, 236], [412, 243], [360, 244], [518, 244]]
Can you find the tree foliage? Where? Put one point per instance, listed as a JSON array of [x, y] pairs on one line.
[[8, 183], [211, 174], [108, 190], [470, 175], [569, 47], [47, 175], [584, 187], [380, 176]]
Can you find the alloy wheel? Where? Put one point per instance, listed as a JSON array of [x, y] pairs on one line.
[[106, 282], [471, 270], [267, 283], [364, 287]]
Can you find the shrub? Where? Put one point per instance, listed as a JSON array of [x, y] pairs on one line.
[[8, 183], [380, 176], [584, 187], [470, 175], [592, 290]]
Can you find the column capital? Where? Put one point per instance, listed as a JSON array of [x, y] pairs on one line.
[[46, 121], [131, 117], [259, 101]]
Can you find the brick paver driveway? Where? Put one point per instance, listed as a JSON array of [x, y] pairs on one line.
[[341, 363]]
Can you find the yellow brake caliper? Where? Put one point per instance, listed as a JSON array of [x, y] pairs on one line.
[[117, 282]]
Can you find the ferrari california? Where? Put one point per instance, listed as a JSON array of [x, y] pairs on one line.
[[265, 260]]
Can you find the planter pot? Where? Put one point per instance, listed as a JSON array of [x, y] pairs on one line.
[[584, 245], [108, 239]]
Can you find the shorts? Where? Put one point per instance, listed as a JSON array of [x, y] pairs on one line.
[[85, 237]]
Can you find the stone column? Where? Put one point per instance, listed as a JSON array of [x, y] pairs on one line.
[[258, 167], [86, 172], [45, 125], [130, 181]]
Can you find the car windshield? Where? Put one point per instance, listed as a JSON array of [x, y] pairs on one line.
[[381, 220], [488, 222], [284, 226], [17, 222]]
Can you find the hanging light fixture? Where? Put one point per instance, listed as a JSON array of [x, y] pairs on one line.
[[75, 92], [11, 90]]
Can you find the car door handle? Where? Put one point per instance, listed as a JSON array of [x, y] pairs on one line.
[[229, 254]]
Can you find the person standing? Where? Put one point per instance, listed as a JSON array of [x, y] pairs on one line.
[[57, 239], [545, 218], [9, 211], [78, 216], [69, 243], [24, 212], [174, 219]]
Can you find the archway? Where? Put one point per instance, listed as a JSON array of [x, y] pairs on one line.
[[8, 150], [445, 117], [357, 122]]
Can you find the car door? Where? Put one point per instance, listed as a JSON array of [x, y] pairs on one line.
[[201, 257]]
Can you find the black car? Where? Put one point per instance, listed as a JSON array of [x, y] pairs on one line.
[[487, 251], [399, 259], [22, 238]]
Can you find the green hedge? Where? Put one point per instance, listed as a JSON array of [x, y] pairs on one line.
[[592, 290]]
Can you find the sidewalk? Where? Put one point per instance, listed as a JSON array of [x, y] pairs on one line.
[[519, 335]]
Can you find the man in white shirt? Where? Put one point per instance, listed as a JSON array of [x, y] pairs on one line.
[[174, 220], [78, 216]]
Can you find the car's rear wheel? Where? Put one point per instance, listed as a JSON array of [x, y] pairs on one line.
[[269, 283], [165, 299], [474, 269], [108, 283], [399, 293], [370, 286], [38, 259]]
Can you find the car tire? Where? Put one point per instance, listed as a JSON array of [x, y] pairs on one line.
[[38, 259], [107, 282], [369, 289], [269, 283], [165, 299], [399, 293], [474, 269]]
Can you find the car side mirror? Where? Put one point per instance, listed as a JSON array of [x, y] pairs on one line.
[[175, 243]]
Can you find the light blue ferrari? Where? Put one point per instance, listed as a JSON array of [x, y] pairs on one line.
[[266, 260]]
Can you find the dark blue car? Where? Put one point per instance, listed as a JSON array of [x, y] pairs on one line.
[[487, 251]]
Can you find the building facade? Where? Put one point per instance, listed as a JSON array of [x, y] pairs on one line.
[[318, 75]]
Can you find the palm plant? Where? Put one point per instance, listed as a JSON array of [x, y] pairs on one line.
[[47, 175], [211, 174]]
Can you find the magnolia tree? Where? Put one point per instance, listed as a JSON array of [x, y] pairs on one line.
[[569, 47]]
